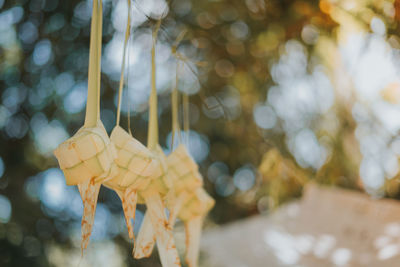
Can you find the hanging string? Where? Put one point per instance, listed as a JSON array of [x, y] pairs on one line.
[[127, 86], [93, 98], [99, 45], [152, 138], [180, 58], [121, 80], [175, 104], [186, 119], [127, 78], [175, 93]]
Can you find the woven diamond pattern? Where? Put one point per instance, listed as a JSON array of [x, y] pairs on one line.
[[136, 164], [183, 170], [86, 155], [198, 205]]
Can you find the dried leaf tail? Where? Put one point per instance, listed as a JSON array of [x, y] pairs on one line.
[[129, 201], [89, 191], [164, 238], [174, 211], [145, 240], [193, 233]]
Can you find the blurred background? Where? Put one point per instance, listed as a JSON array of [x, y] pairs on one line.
[[287, 92]]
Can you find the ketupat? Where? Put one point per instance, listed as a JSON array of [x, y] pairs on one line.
[[134, 161], [87, 158], [186, 179], [135, 166], [160, 185], [190, 203], [187, 200]]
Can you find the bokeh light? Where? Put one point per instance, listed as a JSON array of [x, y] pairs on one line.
[[5, 209], [2, 167], [281, 93]]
